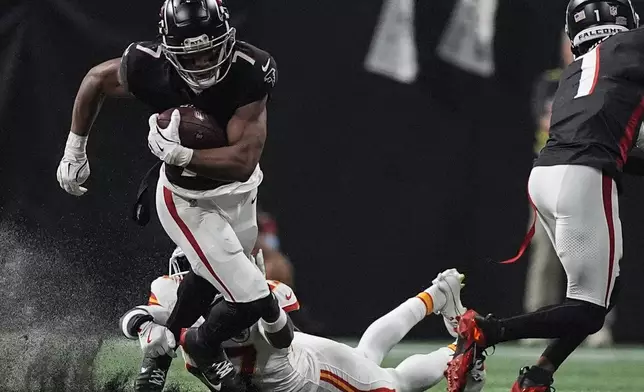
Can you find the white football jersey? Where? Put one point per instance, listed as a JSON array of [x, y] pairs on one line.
[[271, 369]]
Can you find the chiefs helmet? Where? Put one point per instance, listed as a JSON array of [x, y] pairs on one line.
[[197, 39], [588, 22]]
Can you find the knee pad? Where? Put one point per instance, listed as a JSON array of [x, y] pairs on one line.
[[267, 308], [229, 319], [587, 317]]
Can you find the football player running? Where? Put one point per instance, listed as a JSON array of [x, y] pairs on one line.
[[206, 199], [596, 119], [317, 364]]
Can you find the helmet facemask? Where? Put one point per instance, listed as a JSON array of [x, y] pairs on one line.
[[202, 61], [175, 270]]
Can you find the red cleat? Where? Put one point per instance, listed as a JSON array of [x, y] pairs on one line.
[[517, 388], [525, 384], [470, 341]]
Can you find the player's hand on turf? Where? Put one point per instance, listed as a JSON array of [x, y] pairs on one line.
[[156, 340], [165, 142], [73, 171]]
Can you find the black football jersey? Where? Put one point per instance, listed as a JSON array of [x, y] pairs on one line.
[[151, 78], [598, 107]]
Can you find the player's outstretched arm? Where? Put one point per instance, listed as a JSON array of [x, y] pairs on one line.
[[246, 134], [101, 81]]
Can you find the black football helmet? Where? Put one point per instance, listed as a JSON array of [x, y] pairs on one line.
[[591, 21], [197, 39]]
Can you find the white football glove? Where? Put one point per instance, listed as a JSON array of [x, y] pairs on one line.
[[259, 261], [73, 169], [165, 142], [156, 340]]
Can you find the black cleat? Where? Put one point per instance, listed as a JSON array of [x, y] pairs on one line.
[[533, 379], [214, 369], [153, 374]]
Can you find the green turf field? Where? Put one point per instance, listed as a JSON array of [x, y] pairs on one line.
[[588, 370]]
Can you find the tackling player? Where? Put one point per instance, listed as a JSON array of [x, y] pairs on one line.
[[316, 364], [596, 119], [206, 199]]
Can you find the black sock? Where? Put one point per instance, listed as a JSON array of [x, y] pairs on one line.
[[227, 320], [534, 376], [573, 317], [560, 349], [194, 296]]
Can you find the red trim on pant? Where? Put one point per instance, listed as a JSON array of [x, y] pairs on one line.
[[344, 385], [172, 208], [607, 196]]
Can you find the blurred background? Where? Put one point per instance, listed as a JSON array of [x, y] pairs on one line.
[[401, 136]]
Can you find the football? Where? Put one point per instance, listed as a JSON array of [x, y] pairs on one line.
[[197, 130]]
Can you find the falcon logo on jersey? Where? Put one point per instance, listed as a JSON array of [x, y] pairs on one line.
[[242, 337], [613, 10]]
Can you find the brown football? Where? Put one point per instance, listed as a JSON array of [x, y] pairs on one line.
[[197, 130]]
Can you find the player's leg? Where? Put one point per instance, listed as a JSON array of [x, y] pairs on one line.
[[544, 272], [543, 279], [587, 237], [152, 374], [194, 298], [202, 231], [340, 367], [346, 369], [422, 371], [241, 212], [354, 373], [443, 296], [603, 337], [243, 217], [591, 265]]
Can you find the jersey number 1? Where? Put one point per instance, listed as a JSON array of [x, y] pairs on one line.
[[589, 73]]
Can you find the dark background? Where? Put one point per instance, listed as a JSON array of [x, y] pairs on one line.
[[377, 186]]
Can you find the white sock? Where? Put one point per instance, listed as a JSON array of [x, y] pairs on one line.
[[438, 297], [384, 333], [423, 371]]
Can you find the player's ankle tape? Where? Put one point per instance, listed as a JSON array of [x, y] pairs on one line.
[[277, 325]]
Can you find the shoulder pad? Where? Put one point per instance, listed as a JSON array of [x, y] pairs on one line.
[[285, 295], [137, 59], [259, 70]]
